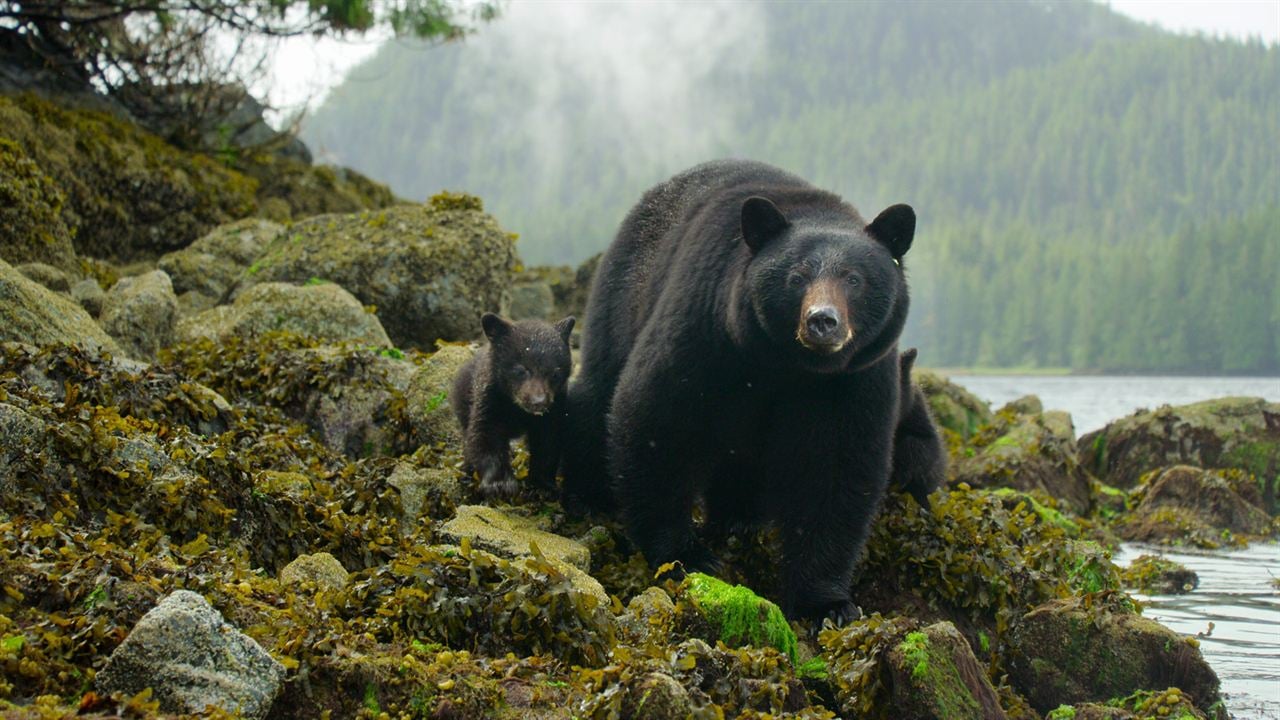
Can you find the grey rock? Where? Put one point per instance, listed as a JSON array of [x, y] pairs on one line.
[[90, 295], [320, 570], [192, 658], [1025, 405], [427, 396], [33, 314], [141, 312], [209, 266], [47, 275], [421, 489], [322, 311], [532, 301]]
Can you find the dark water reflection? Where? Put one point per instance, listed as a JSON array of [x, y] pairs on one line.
[[1236, 596]]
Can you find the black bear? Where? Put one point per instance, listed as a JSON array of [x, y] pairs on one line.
[[741, 348], [514, 387], [919, 457]]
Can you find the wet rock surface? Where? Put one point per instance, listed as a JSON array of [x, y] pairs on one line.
[[141, 313], [1189, 505]]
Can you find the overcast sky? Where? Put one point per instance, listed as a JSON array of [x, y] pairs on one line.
[[304, 68]]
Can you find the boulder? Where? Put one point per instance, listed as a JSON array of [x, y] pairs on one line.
[[141, 313], [32, 228], [427, 397], [737, 616], [1185, 504], [321, 570], [430, 271], [1030, 453], [424, 491], [656, 696], [348, 406], [1073, 650], [933, 674], [191, 659], [1025, 405], [208, 267], [90, 295], [322, 311], [532, 301], [649, 615], [47, 275], [1159, 576], [1239, 432], [21, 435], [954, 409], [31, 313]]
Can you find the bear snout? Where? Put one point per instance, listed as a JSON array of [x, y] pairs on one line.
[[534, 397], [824, 326]]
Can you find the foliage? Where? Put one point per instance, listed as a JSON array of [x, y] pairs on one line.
[[742, 617], [1092, 194]]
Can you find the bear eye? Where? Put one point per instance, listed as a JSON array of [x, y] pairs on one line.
[[520, 372], [797, 278], [853, 280]]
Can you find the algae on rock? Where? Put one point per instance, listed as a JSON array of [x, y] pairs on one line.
[[31, 225], [31, 313]]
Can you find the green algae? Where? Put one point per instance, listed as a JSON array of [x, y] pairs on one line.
[[741, 616]]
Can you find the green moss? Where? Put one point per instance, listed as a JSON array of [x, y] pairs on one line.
[[1062, 712], [455, 201], [1090, 569], [915, 647], [742, 617], [1046, 513], [814, 668]]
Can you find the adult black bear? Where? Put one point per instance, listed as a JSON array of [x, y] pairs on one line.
[[741, 347], [919, 457], [514, 387]]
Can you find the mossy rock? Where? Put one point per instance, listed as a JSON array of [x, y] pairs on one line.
[[1240, 433], [427, 401], [320, 570], [1155, 575], [428, 271], [1077, 650], [1184, 505], [32, 228], [954, 408], [933, 674], [307, 190], [319, 310], [141, 313], [128, 193], [1029, 453], [740, 617], [210, 266], [47, 275], [31, 313]]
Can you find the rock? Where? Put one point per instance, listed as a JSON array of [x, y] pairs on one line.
[[532, 301], [954, 408], [424, 490], [32, 229], [649, 615], [191, 658], [90, 295], [141, 313], [1239, 432], [427, 397], [1025, 405], [1071, 651], [21, 434], [322, 311], [290, 188], [348, 406], [1030, 453], [1184, 504], [209, 266], [1159, 576], [656, 696], [128, 193], [740, 617], [33, 314], [429, 270], [277, 482], [935, 675], [321, 570], [47, 275], [512, 536]]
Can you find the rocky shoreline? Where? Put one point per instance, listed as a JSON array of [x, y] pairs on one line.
[[229, 484]]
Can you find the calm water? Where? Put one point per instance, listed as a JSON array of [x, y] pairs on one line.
[[1235, 593]]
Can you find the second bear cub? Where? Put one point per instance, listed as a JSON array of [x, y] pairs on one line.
[[514, 387]]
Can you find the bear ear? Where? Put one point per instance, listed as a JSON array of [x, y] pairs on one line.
[[495, 327], [894, 228], [907, 360], [565, 327], [762, 221]]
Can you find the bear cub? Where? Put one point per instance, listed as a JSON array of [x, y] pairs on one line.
[[514, 387], [919, 455]]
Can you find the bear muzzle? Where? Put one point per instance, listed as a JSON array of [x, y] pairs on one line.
[[534, 397], [824, 326]]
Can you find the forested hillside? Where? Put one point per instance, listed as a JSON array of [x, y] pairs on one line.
[[1092, 193]]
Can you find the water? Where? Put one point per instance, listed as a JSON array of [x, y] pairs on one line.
[[1235, 593], [1095, 400]]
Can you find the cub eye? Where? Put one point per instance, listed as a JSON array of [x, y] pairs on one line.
[[520, 372], [853, 280], [797, 278]]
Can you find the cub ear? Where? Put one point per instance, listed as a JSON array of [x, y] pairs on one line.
[[894, 228], [907, 360], [495, 328], [565, 327], [762, 221]]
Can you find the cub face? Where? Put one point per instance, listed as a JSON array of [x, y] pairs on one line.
[[823, 291], [530, 360]]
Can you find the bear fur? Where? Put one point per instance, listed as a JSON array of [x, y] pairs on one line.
[[919, 456], [514, 387], [741, 350]]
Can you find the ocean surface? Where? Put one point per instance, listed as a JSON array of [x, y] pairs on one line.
[[1235, 610]]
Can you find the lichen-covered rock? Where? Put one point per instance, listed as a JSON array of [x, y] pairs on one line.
[[1073, 651], [31, 225], [128, 193], [1025, 405], [1155, 575], [209, 266], [424, 491], [427, 401], [31, 313], [141, 313], [306, 190], [430, 271], [933, 674], [90, 295], [738, 616], [21, 434], [321, 570], [657, 696], [323, 311], [532, 301], [649, 615], [955, 409], [1028, 453], [1242, 433], [1189, 505], [191, 658], [47, 275]]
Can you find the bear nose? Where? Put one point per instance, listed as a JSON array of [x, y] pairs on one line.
[[822, 321]]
